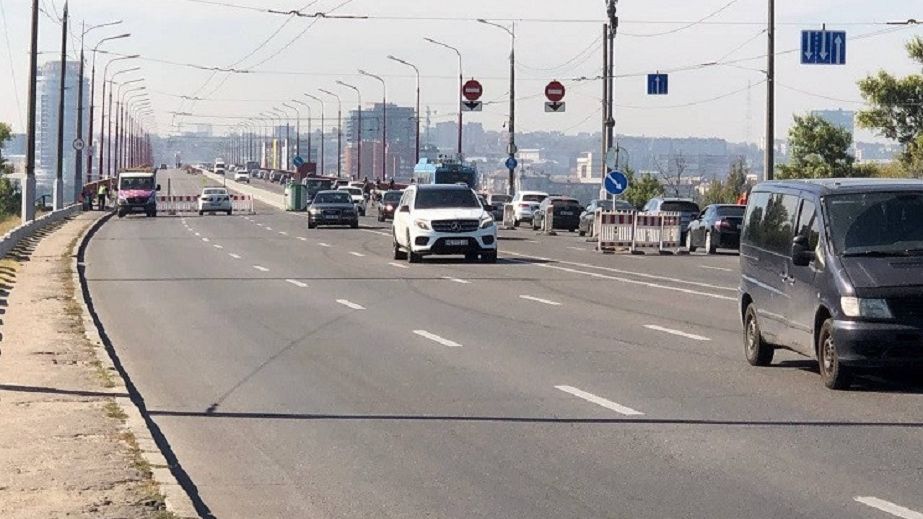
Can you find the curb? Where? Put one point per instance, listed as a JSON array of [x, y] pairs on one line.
[[180, 493]]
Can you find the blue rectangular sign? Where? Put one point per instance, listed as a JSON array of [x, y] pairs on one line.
[[823, 47], [658, 84]]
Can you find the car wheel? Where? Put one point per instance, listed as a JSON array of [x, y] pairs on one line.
[[535, 227], [489, 257], [354, 225], [582, 232], [757, 350], [834, 374], [398, 253], [709, 244], [515, 224], [413, 257], [201, 213], [312, 225], [689, 246], [229, 212]]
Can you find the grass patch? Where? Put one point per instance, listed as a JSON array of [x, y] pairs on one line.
[[114, 410], [8, 223], [152, 498]]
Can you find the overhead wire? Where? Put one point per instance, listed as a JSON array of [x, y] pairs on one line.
[[9, 51], [686, 26]]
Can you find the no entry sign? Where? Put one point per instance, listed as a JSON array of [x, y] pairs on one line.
[[472, 90], [555, 91]]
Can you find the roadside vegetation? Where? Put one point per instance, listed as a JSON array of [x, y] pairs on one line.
[[9, 194]]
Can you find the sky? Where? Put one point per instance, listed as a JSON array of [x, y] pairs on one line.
[[287, 56]]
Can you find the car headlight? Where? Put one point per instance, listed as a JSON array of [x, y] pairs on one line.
[[422, 224], [389, 207], [313, 210], [487, 221], [869, 308]]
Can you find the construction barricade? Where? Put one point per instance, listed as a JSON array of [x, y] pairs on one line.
[[614, 230], [509, 216], [175, 204], [638, 232], [548, 221]]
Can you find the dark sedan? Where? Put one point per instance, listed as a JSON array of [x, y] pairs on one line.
[[332, 208], [566, 213], [388, 204], [718, 227]]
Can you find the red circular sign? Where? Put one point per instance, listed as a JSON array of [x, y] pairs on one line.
[[472, 90], [555, 91]]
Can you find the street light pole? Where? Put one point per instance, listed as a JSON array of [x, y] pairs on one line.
[[297, 133], [358, 130], [417, 116], [339, 131], [384, 124], [58, 192], [27, 213], [460, 80], [511, 189], [102, 118], [310, 116], [769, 155]]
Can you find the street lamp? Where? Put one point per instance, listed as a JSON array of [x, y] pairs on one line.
[[288, 147], [323, 114], [111, 166], [282, 117], [384, 124], [339, 131], [358, 130], [417, 71], [93, 106], [102, 117], [120, 132], [457, 99], [511, 189], [310, 116]]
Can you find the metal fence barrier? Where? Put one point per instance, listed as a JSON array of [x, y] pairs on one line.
[[637, 232]]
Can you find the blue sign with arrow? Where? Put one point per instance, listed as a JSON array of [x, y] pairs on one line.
[[298, 161], [823, 47], [511, 163], [616, 183], [658, 84]]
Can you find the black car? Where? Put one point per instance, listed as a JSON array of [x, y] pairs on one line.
[[332, 208], [718, 227], [588, 216], [832, 269], [566, 213], [498, 202], [388, 204]]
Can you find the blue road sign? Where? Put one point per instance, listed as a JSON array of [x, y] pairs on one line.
[[658, 84], [616, 183], [511, 163], [823, 47], [298, 161]]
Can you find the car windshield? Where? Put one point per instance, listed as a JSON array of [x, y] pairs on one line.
[[533, 198], [392, 197], [679, 207], [501, 199], [732, 211], [333, 198], [139, 183], [876, 223], [565, 203], [446, 198], [352, 190], [214, 192]]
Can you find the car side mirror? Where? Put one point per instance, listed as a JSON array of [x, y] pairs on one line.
[[404, 209], [158, 187], [802, 255]]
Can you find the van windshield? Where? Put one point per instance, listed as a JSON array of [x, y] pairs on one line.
[[139, 183], [876, 224]]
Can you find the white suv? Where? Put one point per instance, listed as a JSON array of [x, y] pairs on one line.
[[524, 205], [443, 219], [358, 197]]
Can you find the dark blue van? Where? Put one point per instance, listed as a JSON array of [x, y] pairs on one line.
[[833, 269]]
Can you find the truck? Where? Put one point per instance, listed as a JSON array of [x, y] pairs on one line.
[[137, 193]]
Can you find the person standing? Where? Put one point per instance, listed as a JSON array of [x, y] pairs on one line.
[[102, 194]]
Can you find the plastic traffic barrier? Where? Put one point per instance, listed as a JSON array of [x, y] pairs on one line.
[[637, 232]]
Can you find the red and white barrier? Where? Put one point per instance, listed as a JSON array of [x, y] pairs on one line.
[[614, 230], [637, 231], [173, 204]]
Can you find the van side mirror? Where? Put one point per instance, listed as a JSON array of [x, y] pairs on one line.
[[802, 255], [404, 209]]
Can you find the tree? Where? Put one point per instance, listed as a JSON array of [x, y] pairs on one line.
[[671, 175], [897, 108], [5, 134], [641, 188], [729, 191], [817, 150]]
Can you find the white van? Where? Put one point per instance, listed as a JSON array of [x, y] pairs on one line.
[[220, 167]]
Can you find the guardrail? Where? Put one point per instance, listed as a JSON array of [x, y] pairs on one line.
[[638, 232], [11, 239]]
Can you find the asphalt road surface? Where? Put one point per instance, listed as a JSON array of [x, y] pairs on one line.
[[304, 373]]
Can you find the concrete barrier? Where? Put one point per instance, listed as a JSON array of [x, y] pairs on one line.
[[11, 239]]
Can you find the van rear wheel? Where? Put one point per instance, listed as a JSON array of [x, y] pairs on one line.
[[834, 374], [757, 350]]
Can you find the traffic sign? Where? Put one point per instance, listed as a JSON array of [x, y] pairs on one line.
[[472, 106], [616, 183], [298, 161], [823, 47], [472, 90], [511, 163], [78, 144], [612, 158], [555, 91], [555, 107], [658, 84]]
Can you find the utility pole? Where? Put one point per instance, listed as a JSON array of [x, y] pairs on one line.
[[604, 142], [610, 116], [27, 213], [78, 162], [769, 158], [58, 193]]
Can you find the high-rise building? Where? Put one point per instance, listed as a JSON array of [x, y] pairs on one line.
[[401, 137], [46, 138]]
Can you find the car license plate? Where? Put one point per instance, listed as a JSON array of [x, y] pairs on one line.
[[566, 213], [456, 243]]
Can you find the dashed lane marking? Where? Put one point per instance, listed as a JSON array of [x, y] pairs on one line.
[[456, 280], [297, 283], [600, 401], [540, 300], [235, 256], [435, 338], [715, 268], [350, 304], [357, 254], [398, 265], [261, 269], [889, 507], [676, 332], [322, 244], [217, 246]]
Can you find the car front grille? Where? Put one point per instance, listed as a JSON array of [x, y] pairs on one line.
[[455, 226], [137, 200]]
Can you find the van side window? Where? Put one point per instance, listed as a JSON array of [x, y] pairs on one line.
[[808, 226], [753, 221], [778, 223]]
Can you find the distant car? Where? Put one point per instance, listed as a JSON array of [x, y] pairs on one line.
[[524, 204], [332, 208], [588, 216], [388, 205], [358, 197], [242, 176], [497, 201], [565, 213], [688, 210], [215, 200], [163, 165], [274, 175], [718, 227]]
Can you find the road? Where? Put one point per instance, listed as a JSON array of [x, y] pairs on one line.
[[303, 373]]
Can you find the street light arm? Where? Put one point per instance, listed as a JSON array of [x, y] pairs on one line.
[[100, 26]]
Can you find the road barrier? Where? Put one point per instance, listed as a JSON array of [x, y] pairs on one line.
[[637, 232], [548, 221], [173, 204], [10, 240], [509, 216]]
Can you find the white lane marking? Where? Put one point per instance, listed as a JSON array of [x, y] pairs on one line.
[[436, 338], [676, 332], [628, 272], [456, 280], [297, 283], [302, 238], [581, 249], [889, 507], [261, 269], [715, 268], [322, 244], [350, 304], [197, 234], [268, 228], [235, 256], [398, 265], [357, 254], [540, 300], [598, 400], [529, 241], [206, 240], [377, 232], [283, 233], [217, 246], [632, 281]]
